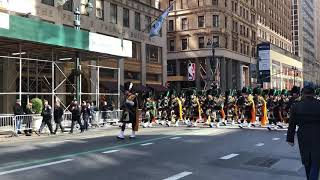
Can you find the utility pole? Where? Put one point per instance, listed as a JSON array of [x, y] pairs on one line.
[[77, 72]]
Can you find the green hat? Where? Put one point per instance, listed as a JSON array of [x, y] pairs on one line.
[[257, 91], [265, 92], [250, 91], [244, 90], [284, 92]]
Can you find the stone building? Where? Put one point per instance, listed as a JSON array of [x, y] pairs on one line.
[[230, 25]]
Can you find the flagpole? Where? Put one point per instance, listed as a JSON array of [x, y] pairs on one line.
[[157, 17]]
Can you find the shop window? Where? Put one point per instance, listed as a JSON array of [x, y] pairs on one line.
[[153, 53]]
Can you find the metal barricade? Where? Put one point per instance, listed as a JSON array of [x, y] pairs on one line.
[[7, 124], [23, 122], [67, 119]]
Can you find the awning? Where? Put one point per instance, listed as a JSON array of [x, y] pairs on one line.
[[139, 88], [157, 87]]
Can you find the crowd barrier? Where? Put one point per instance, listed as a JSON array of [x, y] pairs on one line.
[[10, 123]]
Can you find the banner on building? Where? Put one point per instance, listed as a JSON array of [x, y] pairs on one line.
[[191, 71], [4, 21]]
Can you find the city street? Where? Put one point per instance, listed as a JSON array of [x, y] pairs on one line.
[[157, 154]]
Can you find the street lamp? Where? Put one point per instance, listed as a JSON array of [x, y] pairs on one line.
[[211, 44], [77, 25]]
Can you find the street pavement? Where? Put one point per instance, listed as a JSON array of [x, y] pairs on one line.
[[160, 153]]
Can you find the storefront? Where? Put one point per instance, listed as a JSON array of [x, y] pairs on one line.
[[37, 59], [278, 69]]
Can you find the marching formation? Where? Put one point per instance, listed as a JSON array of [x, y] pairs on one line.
[[266, 108]]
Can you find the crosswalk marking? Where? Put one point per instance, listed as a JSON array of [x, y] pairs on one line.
[[146, 144], [260, 144], [276, 139], [34, 167], [111, 151], [179, 176], [230, 156], [175, 138]]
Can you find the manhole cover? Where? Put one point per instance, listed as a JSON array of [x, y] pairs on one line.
[[262, 162]]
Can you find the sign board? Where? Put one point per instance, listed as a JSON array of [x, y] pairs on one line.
[[191, 71], [4, 21], [264, 60], [110, 45]]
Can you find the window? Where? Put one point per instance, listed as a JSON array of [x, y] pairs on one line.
[[99, 9], [68, 5], [148, 23], [200, 2], [234, 45], [153, 53], [184, 24], [215, 39], [170, 26], [201, 42], [171, 45], [215, 19], [184, 44], [215, 2], [114, 13], [200, 21], [48, 2], [137, 23], [181, 2], [126, 18], [83, 8], [136, 50]]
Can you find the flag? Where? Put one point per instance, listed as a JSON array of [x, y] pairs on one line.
[[157, 25]]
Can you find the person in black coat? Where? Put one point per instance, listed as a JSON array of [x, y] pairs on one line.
[[76, 116], [305, 114], [58, 117], [46, 117], [18, 110], [85, 111]]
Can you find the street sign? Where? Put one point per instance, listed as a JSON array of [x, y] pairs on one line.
[[191, 71]]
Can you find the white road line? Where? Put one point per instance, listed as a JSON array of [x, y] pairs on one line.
[[285, 134], [146, 144], [179, 176], [55, 142], [229, 156], [175, 138], [275, 139], [34, 167], [260, 144], [111, 151]]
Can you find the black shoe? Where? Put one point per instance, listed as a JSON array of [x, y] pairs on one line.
[[82, 130], [70, 132], [37, 133], [28, 134], [269, 128], [120, 138]]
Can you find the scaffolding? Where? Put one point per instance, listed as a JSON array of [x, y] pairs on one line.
[[30, 70]]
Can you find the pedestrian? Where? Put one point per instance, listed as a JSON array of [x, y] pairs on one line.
[[104, 111], [28, 120], [46, 118], [58, 117], [18, 111], [305, 114], [76, 116], [85, 111]]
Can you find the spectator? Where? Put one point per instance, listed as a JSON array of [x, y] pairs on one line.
[[28, 120], [47, 117], [18, 111], [76, 114], [58, 117], [305, 114], [85, 111]]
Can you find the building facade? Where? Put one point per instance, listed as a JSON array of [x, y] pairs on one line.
[[304, 38], [278, 66], [230, 25], [104, 21]]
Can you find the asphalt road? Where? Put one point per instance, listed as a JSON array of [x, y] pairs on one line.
[[157, 154]]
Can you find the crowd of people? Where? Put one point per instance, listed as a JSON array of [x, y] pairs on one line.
[[80, 113]]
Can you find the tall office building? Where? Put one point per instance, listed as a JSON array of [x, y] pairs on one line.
[[305, 38]]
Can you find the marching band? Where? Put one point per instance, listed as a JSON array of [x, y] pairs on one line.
[[268, 108]]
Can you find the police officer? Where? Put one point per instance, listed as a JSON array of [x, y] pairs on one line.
[[76, 114], [58, 114], [46, 117]]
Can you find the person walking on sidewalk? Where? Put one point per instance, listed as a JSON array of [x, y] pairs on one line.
[[58, 117], [18, 111], [46, 117], [305, 114], [85, 111], [76, 116]]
